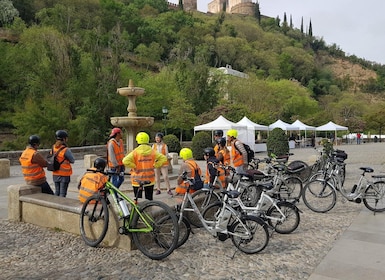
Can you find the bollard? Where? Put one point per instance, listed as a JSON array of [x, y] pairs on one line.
[[5, 168], [89, 160]]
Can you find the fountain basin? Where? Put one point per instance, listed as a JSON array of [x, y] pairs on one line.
[[134, 122]]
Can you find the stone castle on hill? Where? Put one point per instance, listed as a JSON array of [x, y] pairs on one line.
[[244, 7]]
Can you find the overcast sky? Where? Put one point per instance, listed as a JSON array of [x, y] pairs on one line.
[[357, 27]]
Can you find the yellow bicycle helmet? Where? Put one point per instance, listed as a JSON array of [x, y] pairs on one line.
[[232, 133], [142, 138], [186, 153]]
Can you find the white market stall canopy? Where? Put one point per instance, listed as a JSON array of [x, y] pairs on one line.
[[282, 125], [252, 125], [303, 126], [331, 126]]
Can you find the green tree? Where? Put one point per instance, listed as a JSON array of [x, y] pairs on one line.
[[7, 12]]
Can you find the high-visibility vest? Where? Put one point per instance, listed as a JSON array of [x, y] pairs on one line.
[[216, 150], [144, 170], [225, 156], [221, 176], [181, 188], [118, 151], [236, 156], [163, 150], [90, 183], [65, 166], [31, 171]]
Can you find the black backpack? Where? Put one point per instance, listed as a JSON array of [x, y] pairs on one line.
[[52, 163], [249, 151], [198, 183]]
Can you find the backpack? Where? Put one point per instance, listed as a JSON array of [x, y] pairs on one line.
[[198, 183], [52, 163], [249, 151]]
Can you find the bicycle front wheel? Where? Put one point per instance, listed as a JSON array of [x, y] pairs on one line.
[[94, 220], [286, 223], [319, 196], [374, 198], [250, 235], [290, 189], [305, 172], [202, 198], [161, 241]]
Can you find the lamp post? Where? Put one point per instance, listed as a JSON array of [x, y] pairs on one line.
[[165, 113]]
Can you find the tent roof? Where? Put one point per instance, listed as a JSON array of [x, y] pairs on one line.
[[220, 123], [246, 121], [283, 126], [331, 126], [303, 126]]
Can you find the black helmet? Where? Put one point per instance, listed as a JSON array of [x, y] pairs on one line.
[[221, 141], [209, 152], [160, 135], [218, 133], [100, 164], [33, 140], [61, 134]]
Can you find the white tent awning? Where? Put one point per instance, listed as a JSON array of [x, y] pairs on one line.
[[283, 125], [331, 126], [303, 126], [252, 125]]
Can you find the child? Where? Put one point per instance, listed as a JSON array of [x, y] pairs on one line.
[[93, 180]]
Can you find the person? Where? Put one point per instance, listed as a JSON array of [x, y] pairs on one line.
[[190, 166], [218, 134], [115, 154], [223, 154], [212, 168], [358, 138], [93, 180], [142, 161], [238, 154], [62, 177], [32, 163], [162, 148]]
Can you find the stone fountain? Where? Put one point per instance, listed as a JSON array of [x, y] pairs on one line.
[[132, 123]]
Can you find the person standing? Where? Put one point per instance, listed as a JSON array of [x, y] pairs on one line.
[[358, 138], [32, 163], [190, 166], [62, 177], [218, 134], [223, 154], [142, 161], [212, 169], [115, 155], [238, 154], [162, 148]]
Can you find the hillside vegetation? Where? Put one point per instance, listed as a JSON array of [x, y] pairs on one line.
[[62, 61]]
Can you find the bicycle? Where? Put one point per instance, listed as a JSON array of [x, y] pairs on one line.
[[248, 233], [152, 224], [320, 194]]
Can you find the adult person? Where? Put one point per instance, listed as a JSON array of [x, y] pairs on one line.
[[223, 154], [142, 161], [212, 168], [190, 166], [238, 154], [93, 180], [218, 134], [115, 155], [162, 148], [358, 138], [62, 177], [32, 163]]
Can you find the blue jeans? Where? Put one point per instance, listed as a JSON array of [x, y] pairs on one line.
[[117, 180], [61, 188]]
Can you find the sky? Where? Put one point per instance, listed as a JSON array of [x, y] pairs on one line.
[[356, 27]]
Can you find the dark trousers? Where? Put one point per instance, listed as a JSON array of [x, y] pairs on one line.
[[45, 188], [148, 192]]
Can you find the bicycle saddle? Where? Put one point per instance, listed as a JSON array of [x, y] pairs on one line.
[[367, 169], [232, 193], [266, 186]]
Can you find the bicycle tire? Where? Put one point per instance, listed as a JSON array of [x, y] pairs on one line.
[[303, 174], [291, 189], [374, 198], [202, 198], [319, 196], [163, 239], [250, 244], [184, 231], [292, 217], [250, 195], [94, 218]]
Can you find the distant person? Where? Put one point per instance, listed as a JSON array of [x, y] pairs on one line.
[[190, 166], [62, 177], [358, 138], [212, 169], [238, 154], [162, 148], [93, 180], [218, 134], [115, 155], [142, 161], [32, 163]]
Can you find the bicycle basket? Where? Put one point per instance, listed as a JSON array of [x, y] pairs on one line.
[[296, 166], [341, 154]]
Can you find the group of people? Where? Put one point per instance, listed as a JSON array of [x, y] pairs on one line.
[[146, 163]]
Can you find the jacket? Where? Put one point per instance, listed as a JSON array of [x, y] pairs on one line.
[[90, 184]]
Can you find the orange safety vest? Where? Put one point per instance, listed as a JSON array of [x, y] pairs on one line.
[[181, 189], [225, 156], [65, 167], [216, 150], [163, 151], [144, 170], [236, 155], [31, 171], [118, 151], [90, 183]]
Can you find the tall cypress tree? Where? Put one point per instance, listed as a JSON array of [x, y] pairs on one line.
[[310, 29]]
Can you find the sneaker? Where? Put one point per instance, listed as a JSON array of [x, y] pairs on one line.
[[157, 192], [169, 192]]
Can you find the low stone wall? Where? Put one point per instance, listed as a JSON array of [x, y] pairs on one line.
[[27, 204]]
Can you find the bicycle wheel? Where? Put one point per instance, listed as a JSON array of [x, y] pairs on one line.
[[374, 198], [291, 217], [202, 198], [249, 236], [319, 196], [158, 243], [250, 195], [184, 231], [94, 220], [305, 173], [290, 189]]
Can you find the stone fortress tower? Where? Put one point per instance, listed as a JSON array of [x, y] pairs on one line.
[[245, 7]]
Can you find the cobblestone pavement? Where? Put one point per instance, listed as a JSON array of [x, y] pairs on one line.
[[28, 251]]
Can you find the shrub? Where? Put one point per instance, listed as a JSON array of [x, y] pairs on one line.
[[200, 141], [173, 143], [277, 142]]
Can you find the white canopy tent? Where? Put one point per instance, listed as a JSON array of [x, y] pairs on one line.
[[331, 126], [283, 125], [252, 127], [303, 126]]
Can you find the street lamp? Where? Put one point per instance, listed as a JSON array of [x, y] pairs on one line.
[[165, 113]]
